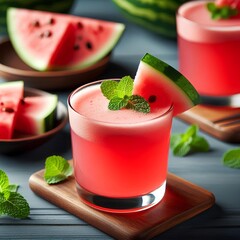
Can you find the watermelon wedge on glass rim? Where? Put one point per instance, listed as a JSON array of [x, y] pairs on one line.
[[52, 41], [162, 85]]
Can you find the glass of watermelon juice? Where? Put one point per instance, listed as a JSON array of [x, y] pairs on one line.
[[120, 157], [209, 51]]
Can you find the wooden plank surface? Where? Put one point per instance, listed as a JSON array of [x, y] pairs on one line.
[[208, 118], [182, 201]]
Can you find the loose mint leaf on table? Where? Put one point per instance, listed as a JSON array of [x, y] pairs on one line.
[[120, 95], [12, 203], [188, 142], [231, 158], [57, 169], [221, 12]]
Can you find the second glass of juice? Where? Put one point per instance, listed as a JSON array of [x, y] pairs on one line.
[[209, 50], [120, 157]]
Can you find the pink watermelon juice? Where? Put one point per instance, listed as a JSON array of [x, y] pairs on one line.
[[209, 50], [118, 154]]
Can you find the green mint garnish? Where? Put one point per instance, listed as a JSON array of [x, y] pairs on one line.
[[223, 12], [12, 203], [57, 169], [231, 158], [188, 142], [120, 95]]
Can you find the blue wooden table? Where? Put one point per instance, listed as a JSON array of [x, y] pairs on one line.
[[47, 221]]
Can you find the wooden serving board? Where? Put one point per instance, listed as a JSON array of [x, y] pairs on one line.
[[182, 201], [210, 119]]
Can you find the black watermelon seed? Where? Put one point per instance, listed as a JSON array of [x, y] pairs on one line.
[[79, 25], [76, 47], [152, 99], [51, 21], [89, 45], [46, 34], [7, 109], [36, 23]]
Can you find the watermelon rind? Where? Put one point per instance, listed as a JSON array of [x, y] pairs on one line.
[[181, 92], [157, 16], [38, 114]]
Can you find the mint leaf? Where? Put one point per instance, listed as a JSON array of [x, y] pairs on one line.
[[138, 103], [120, 95], [118, 103], [182, 148], [188, 142], [57, 169], [108, 88], [13, 187], [221, 12], [4, 182], [200, 144], [11, 203], [14, 205], [231, 158], [125, 87]]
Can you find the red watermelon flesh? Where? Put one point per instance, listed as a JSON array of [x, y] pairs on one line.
[[37, 114], [11, 94], [94, 39], [162, 85], [50, 41], [36, 37]]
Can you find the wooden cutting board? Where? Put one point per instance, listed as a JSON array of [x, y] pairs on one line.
[[211, 120], [182, 201]]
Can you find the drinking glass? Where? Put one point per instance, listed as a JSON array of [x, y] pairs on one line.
[[118, 167], [209, 52]]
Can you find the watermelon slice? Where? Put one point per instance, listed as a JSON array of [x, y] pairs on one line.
[[51, 41], [162, 85], [11, 94], [37, 114]]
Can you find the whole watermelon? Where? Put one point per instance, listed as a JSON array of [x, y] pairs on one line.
[[61, 6], [158, 16]]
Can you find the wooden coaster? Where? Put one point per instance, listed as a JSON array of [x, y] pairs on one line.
[[219, 121], [182, 201]]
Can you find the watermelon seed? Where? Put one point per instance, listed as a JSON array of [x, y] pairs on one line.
[[2, 103], [7, 109], [22, 101], [152, 99], [51, 21], [88, 45], [46, 34], [36, 23], [79, 25], [76, 47]]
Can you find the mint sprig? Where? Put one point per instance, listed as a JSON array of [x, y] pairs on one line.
[[57, 169], [120, 95], [231, 158], [221, 12], [12, 203], [188, 142]]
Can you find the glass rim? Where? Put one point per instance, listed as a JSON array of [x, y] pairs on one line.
[[221, 28], [170, 108]]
